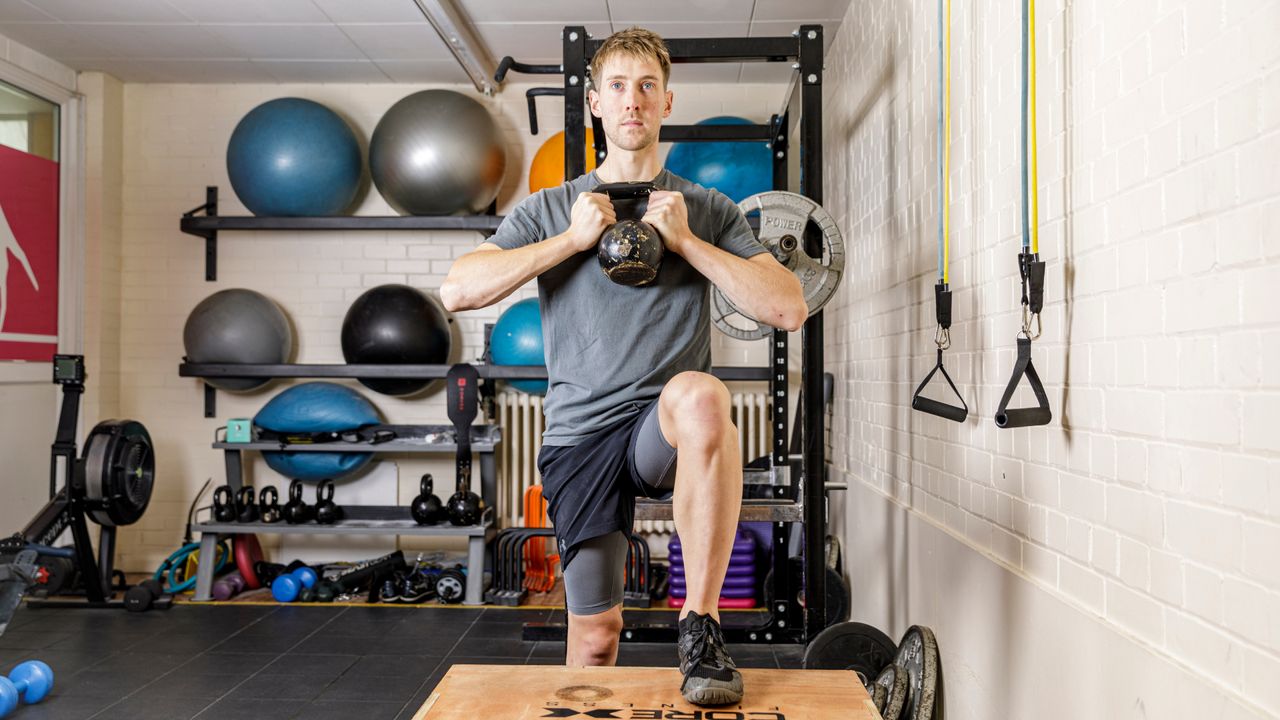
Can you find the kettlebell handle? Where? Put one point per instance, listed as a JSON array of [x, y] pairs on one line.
[[324, 491], [222, 496], [427, 485], [626, 190], [270, 496], [246, 496], [295, 491]]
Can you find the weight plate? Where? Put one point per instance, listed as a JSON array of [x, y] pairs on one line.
[[119, 472], [851, 646], [784, 217], [892, 683], [837, 593], [918, 657], [248, 553], [878, 697]]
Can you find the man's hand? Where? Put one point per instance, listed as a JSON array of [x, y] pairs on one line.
[[668, 215], [592, 214]]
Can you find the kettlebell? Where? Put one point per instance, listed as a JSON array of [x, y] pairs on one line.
[[327, 511], [296, 511], [224, 505], [465, 507], [630, 251], [426, 508], [269, 505], [246, 502]]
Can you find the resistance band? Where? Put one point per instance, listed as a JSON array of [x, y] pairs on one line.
[[942, 291], [1030, 267]]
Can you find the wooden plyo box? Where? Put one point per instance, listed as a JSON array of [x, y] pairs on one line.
[[513, 692]]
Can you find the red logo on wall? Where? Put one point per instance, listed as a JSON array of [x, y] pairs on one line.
[[28, 256]]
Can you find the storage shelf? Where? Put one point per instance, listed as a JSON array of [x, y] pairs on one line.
[[359, 520], [411, 372], [203, 225], [409, 439]]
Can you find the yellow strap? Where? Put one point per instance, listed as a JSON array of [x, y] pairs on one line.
[[946, 160], [1034, 182]]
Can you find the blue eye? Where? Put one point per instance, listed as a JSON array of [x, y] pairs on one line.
[[615, 85], [649, 86]]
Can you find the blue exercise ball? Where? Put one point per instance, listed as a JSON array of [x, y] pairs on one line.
[[294, 157], [737, 169], [517, 340], [316, 407]]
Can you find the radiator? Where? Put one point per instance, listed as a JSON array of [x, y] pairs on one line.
[[522, 422]]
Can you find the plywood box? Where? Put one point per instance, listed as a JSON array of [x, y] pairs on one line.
[[512, 692]]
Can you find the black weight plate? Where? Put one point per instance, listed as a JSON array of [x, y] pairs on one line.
[[892, 682], [851, 646], [918, 656], [837, 592]]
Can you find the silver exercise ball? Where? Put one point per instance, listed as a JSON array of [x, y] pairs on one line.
[[237, 326], [437, 152]]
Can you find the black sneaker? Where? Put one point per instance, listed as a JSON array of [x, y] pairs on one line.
[[390, 591], [710, 676], [417, 588]]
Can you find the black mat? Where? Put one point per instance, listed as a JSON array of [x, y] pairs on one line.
[[229, 662]]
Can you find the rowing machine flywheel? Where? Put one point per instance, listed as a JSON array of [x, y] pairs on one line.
[[119, 470]]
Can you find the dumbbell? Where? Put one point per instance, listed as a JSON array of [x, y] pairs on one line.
[[140, 597], [30, 681], [228, 586], [287, 588], [322, 592]]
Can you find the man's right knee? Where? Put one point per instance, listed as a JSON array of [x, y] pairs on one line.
[[596, 636]]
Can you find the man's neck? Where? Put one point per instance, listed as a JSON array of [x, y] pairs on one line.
[[630, 166]]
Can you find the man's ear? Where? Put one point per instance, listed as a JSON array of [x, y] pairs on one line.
[[593, 102], [666, 112]]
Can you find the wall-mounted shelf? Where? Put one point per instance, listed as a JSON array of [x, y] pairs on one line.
[[400, 372], [204, 221]]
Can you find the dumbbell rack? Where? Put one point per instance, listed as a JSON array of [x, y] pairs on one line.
[[368, 519]]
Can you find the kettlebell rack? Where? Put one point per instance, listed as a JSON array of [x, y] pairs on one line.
[[798, 474]]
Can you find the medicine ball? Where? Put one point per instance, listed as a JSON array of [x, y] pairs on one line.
[[517, 340], [395, 324], [737, 169], [316, 407], [237, 326], [437, 152], [291, 156]]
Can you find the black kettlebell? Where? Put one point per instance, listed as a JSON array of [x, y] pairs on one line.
[[224, 505], [630, 251], [296, 511], [246, 503], [426, 508], [327, 511], [269, 505], [465, 507]]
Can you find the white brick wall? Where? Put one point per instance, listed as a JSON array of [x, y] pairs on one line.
[[1153, 499], [173, 143]]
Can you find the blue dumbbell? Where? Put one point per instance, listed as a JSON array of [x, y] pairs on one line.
[[30, 681], [286, 588]]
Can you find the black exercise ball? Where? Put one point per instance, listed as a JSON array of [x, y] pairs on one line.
[[395, 324], [237, 326]]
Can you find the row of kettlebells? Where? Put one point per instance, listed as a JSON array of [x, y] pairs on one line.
[[248, 506], [464, 507]]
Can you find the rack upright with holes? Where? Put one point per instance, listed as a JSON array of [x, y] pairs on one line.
[[801, 494]]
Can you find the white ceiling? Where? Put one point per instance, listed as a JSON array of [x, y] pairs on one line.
[[362, 41]]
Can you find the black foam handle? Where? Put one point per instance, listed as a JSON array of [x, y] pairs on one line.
[[941, 409], [1024, 417], [462, 381], [532, 93]]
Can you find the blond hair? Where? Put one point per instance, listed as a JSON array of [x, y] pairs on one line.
[[637, 42]]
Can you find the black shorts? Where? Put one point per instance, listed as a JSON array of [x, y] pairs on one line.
[[591, 487]]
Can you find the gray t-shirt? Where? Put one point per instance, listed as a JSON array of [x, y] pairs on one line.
[[611, 348]]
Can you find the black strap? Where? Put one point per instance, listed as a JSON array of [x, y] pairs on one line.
[[942, 304], [1031, 268], [373, 434], [461, 393], [935, 407], [1024, 417]]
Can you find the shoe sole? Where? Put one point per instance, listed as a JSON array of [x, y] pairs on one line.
[[712, 695]]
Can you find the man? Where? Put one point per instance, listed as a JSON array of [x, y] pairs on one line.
[[628, 366]]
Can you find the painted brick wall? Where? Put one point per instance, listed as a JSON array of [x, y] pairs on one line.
[[174, 144], [1153, 499]]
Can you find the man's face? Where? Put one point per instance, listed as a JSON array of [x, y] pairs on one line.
[[631, 101]]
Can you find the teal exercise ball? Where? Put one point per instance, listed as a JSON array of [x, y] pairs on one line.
[[517, 340], [737, 169], [315, 407], [292, 157]]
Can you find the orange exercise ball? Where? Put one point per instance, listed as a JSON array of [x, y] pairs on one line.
[[547, 169]]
